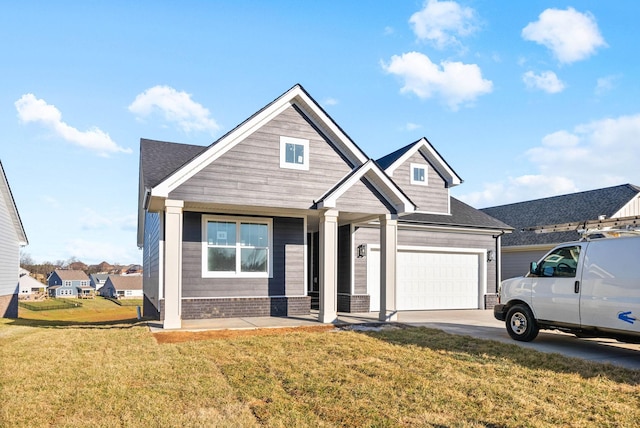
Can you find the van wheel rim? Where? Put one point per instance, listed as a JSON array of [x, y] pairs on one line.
[[518, 323]]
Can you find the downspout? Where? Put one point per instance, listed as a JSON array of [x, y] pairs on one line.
[[498, 239]]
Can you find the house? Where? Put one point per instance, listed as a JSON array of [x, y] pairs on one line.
[[524, 246], [97, 280], [286, 212], [68, 283], [133, 270], [122, 287], [28, 285], [12, 238]]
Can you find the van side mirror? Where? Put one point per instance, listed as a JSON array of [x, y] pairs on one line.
[[533, 267]]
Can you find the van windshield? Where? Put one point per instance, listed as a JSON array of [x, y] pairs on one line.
[[562, 262]]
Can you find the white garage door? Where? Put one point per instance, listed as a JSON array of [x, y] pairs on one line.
[[429, 280]]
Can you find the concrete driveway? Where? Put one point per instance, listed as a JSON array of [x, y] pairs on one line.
[[482, 324]]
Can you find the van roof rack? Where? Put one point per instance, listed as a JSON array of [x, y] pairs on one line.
[[612, 227]]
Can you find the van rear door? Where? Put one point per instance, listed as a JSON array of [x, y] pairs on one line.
[[556, 285], [611, 285]]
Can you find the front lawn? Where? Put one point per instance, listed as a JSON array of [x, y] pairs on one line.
[[99, 375]]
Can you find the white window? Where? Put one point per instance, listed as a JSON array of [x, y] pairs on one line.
[[294, 153], [236, 247], [128, 293], [419, 174]]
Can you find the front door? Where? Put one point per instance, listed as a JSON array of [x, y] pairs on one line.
[[555, 294]]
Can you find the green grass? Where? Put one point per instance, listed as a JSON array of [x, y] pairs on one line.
[[84, 374]]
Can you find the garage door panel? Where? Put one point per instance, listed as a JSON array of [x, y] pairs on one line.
[[430, 280]]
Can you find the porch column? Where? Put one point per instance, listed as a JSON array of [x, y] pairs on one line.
[[173, 264], [328, 268], [388, 252]]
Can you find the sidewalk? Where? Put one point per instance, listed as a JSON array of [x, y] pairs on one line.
[[460, 317]]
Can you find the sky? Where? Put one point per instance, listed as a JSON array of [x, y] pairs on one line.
[[523, 99]]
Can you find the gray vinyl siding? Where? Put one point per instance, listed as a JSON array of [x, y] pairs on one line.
[[420, 238], [360, 199], [434, 197], [288, 277], [151, 258], [9, 249], [516, 263], [250, 173]]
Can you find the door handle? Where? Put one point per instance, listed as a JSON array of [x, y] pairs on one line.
[[576, 287]]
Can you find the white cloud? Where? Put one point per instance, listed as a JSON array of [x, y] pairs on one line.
[[92, 220], [546, 81], [32, 109], [176, 107], [454, 82], [409, 126], [593, 155], [570, 35], [330, 102], [442, 22], [605, 84]]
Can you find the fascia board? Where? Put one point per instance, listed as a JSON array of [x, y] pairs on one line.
[[441, 165], [13, 210]]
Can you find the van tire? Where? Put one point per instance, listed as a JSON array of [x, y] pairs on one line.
[[520, 323]]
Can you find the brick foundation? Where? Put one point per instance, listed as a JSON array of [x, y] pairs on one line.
[[9, 306], [243, 307], [353, 303]]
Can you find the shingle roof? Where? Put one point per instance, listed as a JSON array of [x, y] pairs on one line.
[[130, 282], [159, 159], [574, 207], [72, 275], [462, 215]]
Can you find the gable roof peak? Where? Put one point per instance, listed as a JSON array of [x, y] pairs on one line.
[[393, 160]]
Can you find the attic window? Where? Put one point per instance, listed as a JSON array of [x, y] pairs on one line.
[[294, 153], [419, 174]]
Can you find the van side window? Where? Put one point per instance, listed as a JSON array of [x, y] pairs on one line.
[[562, 262]]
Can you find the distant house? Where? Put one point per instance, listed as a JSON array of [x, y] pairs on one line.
[[12, 237], [122, 287], [28, 285], [68, 283], [133, 270], [522, 247], [97, 280]]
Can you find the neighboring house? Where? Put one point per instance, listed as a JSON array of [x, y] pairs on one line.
[[286, 211], [522, 247], [133, 270], [68, 283], [12, 237], [97, 280], [123, 287], [28, 285]]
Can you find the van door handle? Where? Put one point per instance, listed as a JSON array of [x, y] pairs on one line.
[[576, 287]]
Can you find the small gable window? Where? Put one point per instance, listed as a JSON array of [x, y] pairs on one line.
[[294, 153], [419, 174]]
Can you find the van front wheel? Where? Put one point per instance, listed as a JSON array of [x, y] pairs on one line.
[[521, 325]]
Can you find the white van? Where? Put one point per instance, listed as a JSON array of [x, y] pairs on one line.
[[590, 288]]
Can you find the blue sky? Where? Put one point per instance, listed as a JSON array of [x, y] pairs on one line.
[[523, 99]]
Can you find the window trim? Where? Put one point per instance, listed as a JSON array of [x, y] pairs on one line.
[[415, 166], [238, 220], [304, 166]]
